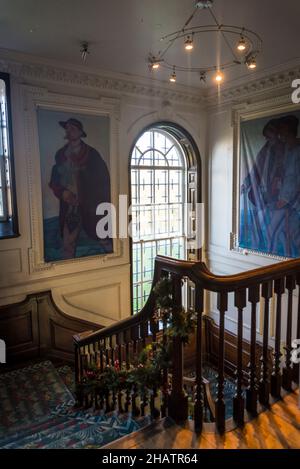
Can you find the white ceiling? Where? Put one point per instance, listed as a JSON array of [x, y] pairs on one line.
[[121, 33]]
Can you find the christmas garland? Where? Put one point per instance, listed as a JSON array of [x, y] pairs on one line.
[[179, 322], [147, 371]]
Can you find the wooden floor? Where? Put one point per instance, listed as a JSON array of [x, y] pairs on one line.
[[277, 428]]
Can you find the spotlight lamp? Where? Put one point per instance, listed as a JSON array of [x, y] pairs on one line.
[[241, 44], [173, 76], [219, 77], [153, 62], [244, 44], [251, 63], [155, 65], [189, 43]]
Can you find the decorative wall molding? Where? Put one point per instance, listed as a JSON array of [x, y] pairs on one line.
[[244, 89], [26, 67], [37, 69], [111, 292]]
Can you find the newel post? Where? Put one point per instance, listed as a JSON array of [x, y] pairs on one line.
[[178, 400]]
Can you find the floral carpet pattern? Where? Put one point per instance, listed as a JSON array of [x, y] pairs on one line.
[[28, 395], [36, 411]]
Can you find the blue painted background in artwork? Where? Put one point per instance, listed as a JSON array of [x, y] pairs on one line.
[[269, 211], [85, 245]]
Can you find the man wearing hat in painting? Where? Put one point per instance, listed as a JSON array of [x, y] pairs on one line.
[[80, 180]]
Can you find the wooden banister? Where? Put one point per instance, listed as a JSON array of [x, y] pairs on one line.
[[123, 341]]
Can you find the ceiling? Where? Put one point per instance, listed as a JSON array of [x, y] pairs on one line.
[[121, 33]]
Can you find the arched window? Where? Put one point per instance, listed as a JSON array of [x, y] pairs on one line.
[[160, 170]]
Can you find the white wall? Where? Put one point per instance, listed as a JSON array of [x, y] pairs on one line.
[[99, 293]]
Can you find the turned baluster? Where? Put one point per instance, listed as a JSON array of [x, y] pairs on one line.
[[264, 384], [165, 384], [135, 338], [77, 365], [251, 392], [154, 326], [178, 401], [119, 358], [287, 373], [238, 400], [276, 378], [112, 348], [198, 408], [220, 404], [92, 354], [127, 361], [107, 351], [78, 377], [296, 366], [144, 333]]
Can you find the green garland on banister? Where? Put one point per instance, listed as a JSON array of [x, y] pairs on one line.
[[179, 322], [146, 373]]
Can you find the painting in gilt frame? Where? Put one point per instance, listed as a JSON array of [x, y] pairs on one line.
[[269, 185], [75, 176]]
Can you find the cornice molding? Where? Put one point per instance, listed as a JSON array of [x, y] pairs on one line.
[[34, 69], [26, 67], [274, 83]]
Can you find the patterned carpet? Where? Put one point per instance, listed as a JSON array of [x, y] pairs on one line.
[[229, 391], [29, 395], [36, 408], [37, 411]]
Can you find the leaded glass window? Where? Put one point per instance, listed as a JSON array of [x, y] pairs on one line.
[[5, 199], [159, 193], [8, 208]]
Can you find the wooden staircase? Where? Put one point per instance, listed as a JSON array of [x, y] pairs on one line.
[[277, 428], [258, 385]]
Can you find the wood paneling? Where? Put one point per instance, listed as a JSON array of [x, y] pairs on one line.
[[19, 330], [37, 328], [211, 346]]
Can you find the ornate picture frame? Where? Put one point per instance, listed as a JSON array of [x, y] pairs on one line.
[[264, 237], [40, 100]]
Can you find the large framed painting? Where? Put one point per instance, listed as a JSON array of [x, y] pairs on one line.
[[75, 176], [268, 183], [71, 150]]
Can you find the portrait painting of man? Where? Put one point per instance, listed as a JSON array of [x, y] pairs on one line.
[[74, 152], [270, 185]]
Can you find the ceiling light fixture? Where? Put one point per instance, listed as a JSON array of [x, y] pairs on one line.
[[219, 77], [243, 44], [251, 63], [189, 43], [173, 76], [84, 50], [153, 63]]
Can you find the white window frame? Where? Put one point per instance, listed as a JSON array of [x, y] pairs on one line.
[[183, 168], [4, 158]]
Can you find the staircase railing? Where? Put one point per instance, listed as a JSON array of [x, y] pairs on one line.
[[124, 340]]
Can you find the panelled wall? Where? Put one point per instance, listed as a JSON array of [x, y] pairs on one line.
[[96, 289]]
